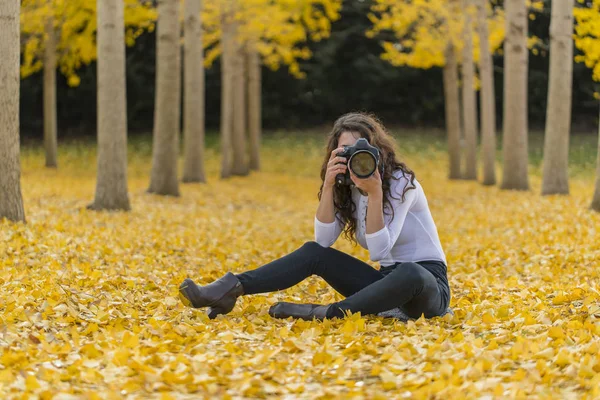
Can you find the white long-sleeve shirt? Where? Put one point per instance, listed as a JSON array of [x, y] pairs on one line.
[[410, 236]]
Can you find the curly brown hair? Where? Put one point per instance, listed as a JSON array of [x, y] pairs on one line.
[[370, 128]]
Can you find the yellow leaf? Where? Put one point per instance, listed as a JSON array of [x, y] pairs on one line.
[[459, 337], [503, 312], [556, 332], [562, 358], [46, 395], [519, 375], [560, 299], [6, 376], [375, 370], [492, 346], [31, 383], [121, 357], [488, 318], [322, 357], [130, 340], [90, 351]]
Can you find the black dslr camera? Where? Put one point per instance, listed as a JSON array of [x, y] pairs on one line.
[[362, 158]]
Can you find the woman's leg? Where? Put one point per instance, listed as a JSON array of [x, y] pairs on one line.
[[410, 286], [344, 273]]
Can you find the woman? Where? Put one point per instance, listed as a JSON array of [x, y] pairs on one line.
[[387, 215]]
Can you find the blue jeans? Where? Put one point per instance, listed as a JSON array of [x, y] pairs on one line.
[[415, 287]]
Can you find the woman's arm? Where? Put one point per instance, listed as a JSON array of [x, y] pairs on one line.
[[372, 186], [375, 219], [327, 227], [326, 209]]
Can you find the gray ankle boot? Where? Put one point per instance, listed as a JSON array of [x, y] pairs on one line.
[[307, 312], [220, 295]]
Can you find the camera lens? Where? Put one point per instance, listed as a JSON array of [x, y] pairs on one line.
[[363, 164]]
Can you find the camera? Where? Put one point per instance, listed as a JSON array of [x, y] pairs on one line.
[[362, 158]]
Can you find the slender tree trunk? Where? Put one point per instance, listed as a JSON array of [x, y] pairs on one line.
[[254, 106], [555, 178], [111, 183], [163, 179], [50, 140], [226, 96], [193, 170], [487, 98], [469, 100], [515, 151], [240, 162], [452, 105], [11, 201], [596, 199]]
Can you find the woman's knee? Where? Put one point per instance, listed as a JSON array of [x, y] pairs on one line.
[[314, 247], [316, 253], [410, 272]]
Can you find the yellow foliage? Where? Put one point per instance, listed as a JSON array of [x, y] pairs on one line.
[[278, 29], [422, 30], [89, 303], [75, 27], [429, 25], [587, 36]]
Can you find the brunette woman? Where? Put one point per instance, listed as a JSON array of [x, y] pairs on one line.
[[388, 215]]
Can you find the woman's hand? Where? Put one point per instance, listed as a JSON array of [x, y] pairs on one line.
[[371, 185], [335, 166]]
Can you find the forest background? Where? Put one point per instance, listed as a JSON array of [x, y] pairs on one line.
[[344, 74]]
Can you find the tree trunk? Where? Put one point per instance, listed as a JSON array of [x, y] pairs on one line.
[[254, 106], [596, 199], [50, 139], [193, 170], [487, 98], [240, 162], [514, 151], [469, 101], [452, 106], [11, 201], [163, 179], [555, 178], [226, 95], [111, 183]]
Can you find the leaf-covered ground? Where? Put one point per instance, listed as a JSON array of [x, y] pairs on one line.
[[89, 302]]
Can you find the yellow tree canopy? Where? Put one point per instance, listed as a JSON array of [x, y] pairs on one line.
[[587, 36], [418, 31], [422, 29], [75, 27], [279, 29]]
